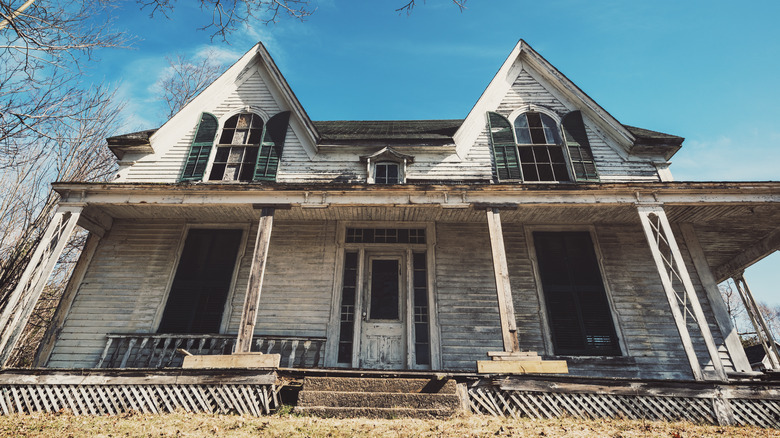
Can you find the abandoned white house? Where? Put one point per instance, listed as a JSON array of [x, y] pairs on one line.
[[539, 223]]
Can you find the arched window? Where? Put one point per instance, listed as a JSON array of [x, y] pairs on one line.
[[533, 148], [540, 148], [237, 149]]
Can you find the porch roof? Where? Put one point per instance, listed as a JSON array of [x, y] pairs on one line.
[[736, 222]]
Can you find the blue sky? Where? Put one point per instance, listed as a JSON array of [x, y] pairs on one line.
[[704, 70]]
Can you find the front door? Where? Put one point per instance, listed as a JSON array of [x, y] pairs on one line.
[[383, 325]]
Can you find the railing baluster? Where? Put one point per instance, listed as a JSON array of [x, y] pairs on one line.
[[162, 353], [306, 346], [293, 347], [109, 342], [137, 360], [130, 346]]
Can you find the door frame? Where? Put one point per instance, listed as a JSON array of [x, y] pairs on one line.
[[332, 343], [363, 302]]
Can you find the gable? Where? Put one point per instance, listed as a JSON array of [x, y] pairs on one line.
[[526, 77]]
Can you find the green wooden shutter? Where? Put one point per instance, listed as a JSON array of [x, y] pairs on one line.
[[271, 147], [200, 149], [583, 165], [504, 148]]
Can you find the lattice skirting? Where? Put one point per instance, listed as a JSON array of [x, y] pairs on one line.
[[251, 399], [490, 400]]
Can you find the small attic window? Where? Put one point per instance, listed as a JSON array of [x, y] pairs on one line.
[[386, 173], [386, 166]]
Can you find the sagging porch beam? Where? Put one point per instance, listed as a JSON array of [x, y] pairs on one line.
[[759, 323], [252, 298], [22, 301], [754, 253], [678, 287], [506, 308], [727, 329]]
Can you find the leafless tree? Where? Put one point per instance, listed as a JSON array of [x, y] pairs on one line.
[[741, 320], [186, 78], [409, 6], [52, 125], [228, 15]]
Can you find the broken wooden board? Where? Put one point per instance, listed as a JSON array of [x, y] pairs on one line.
[[238, 360], [522, 366]]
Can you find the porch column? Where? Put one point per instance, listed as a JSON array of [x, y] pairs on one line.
[[255, 285], [759, 323], [727, 329], [678, 287], [506, 308], [22, 300]]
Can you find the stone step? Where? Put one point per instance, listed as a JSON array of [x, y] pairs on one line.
[[370, 412], [372, 384], [339, 399]]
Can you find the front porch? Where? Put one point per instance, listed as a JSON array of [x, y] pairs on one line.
[[470, 280]]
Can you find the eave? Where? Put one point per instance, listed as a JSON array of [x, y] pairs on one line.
[[443, 195]]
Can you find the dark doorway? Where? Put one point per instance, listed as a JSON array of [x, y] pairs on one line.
[[200, 288]]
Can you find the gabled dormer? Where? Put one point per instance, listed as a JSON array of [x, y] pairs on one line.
[[538, 126], [235, 130]]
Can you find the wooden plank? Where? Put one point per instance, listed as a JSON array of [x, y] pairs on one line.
[[522, 366], [755, 252], [727, 329], [63, 308], [254, 287], [503, 289]]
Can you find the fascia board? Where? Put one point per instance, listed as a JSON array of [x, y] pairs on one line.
[[472, 126]]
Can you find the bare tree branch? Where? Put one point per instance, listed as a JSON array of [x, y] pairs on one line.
[[185, 79]]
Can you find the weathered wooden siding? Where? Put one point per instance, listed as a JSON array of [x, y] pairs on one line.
[[298, 285], [127, 282], [121, 291], [466, 295]]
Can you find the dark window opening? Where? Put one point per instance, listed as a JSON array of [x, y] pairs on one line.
[[384, 296], [577, 306], [348, 295], [386, 173], [385, 235], [202, 282], [238, 148], [422, 347]]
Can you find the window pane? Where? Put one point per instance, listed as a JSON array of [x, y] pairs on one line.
[[521, 130], [384, 289], [254, 135], [227, 136], [244, 121], [551, 130], [556, 154], [239, 136]]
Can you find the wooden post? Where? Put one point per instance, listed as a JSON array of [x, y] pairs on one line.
[[506, 308], [24, 297], [671, 268], [253, 289], [727, 329], [759, 323]]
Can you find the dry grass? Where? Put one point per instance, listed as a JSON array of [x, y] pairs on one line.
[[197, 425]]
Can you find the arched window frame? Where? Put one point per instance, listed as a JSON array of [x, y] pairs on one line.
[[269, 150], [567, 158]]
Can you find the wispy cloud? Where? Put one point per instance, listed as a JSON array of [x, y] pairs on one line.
[[752, 157]]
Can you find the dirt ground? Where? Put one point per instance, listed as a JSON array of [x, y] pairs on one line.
[[198, 425]]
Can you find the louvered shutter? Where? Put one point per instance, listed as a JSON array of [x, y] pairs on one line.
[[271, 147], [200, 149], [504, 148], [577, 308], [583, 165]]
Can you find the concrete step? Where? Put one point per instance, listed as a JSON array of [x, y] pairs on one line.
[[377, 400], [372, 384], [371, 412]]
